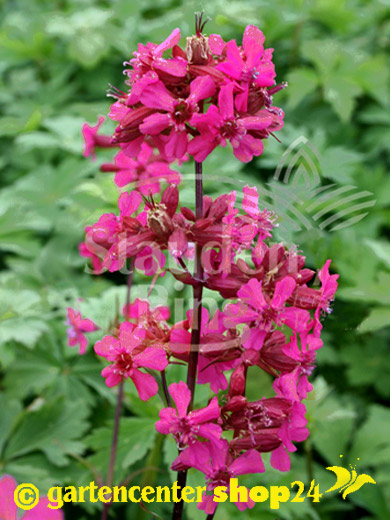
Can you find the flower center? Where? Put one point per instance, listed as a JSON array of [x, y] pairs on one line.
[[221, 478], [183, 112], [124, 362]]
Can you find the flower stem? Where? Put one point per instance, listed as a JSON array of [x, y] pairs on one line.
[[118, 411], [196, 326], [114, 445], [165, 388], [197, 292]]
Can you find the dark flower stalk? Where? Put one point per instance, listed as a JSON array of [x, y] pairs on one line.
[[118, 411], [197, 323]]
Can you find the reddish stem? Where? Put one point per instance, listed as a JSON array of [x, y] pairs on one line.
[[196, 326], [114, 445], [118, 411]]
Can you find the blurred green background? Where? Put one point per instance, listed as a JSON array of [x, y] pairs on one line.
[[56, 61]]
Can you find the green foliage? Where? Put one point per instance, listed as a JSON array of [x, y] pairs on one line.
[[56, 61]]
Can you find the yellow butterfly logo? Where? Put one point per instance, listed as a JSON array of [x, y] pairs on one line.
[[349, 481]]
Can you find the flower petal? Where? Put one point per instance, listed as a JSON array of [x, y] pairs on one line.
[[182, 396], [145, 384], [8, 509]]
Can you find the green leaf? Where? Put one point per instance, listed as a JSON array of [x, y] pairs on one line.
[[21, 316], [375, 291], [64, 425], [136, 436], [88, 48], [301, 82], [378, 318], [381, 248], [375, 369], [341, 93], [372, 442], [330, 419], [339, 163], [10, 409]]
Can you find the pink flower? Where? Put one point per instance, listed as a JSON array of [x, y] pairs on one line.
[[150, 260], [153, 321], [145, 171], [220, 124], [328, 288], [219, 466], [141, 312], [9, 510], [174, 113], [263, 220], [106, 239], [213, 345], [92, 139], [187, 427], [149, 57], [77, 327], [251, 65], [292, 429], [128, 354], [269, 425], [258, 309]]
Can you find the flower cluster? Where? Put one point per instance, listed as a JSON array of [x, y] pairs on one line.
[[187, 102], [271, 328], [182, 104], [195, 99]]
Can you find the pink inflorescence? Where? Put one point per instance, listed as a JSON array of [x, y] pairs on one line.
[[181, 104]]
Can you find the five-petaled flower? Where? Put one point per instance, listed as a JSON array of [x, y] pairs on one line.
[[77, 327], [128, 354], [185, 426]]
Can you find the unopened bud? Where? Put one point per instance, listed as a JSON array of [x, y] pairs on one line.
[[238, 381], [170, 198], [159, 221], [197, 50]]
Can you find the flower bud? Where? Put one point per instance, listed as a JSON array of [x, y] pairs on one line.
[[235, 404], [159, 221], [188, 214], [170, 199], [219, 207], [238, 381], [265, 440], [197, 50]]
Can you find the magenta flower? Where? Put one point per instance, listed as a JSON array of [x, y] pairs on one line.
[[187, 427], [257, 308], [174, 113], [328, 289], [295, 384], [149, 57], [93, 140], [292, 430], [220, 124], [252, 64], [145, 171], [262, 220], [128, 354], [141, 313], [213, 343], [77, 327], [106, 239], [9, 510], [219, 466], [150, 260]]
